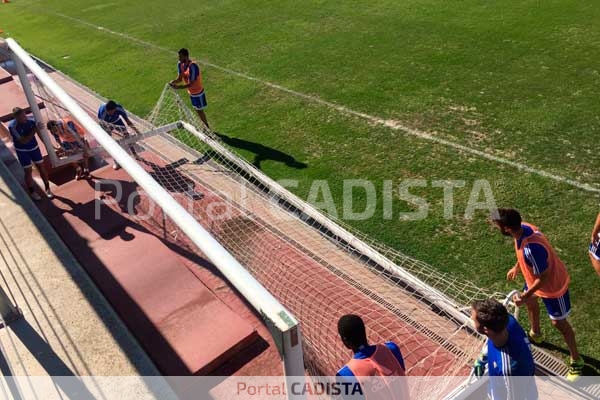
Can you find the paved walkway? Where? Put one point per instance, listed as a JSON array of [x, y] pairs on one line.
[[67, 328]]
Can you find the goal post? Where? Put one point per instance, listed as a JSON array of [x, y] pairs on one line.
[[282, 324]]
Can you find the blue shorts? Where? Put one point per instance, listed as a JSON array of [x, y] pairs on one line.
[[199, 101], [27, 156], [558, 308], [594, 249]]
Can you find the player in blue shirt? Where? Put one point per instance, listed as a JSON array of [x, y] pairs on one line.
[[507, 354], [22, 131], [112, 118]]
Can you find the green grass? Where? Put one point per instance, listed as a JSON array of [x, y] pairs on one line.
[[517, 79]]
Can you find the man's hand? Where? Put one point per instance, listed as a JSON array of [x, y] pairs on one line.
[[518, 299], [135, 129], [479, 367], [594, 236], [512, 273], [40, 126], [173, 84]]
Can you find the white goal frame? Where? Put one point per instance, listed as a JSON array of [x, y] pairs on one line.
[[282, 324]]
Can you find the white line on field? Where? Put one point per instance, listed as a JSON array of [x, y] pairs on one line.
[[391, 124]]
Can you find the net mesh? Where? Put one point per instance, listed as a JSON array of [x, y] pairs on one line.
[[314, 272]]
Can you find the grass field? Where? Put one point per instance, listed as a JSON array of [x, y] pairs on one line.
[[514, 79]]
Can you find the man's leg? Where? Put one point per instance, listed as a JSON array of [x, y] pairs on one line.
[[44, 175], [199, 103], [202, 116], [533, 310], [565, 328], [29, 179]]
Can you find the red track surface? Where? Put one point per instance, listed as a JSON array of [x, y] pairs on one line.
[[312, 293]]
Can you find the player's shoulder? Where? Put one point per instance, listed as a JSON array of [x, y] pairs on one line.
[[392, 346], [345, 371], [30, 123]]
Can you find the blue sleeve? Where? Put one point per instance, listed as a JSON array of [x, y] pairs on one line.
[[13, 130], [101, 113], [122, 112], [178, 68], [396, 350], [536, 257], [194, 72], [345, 371]]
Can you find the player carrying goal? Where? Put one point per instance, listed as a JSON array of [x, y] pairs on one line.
[[189, 73], [112, 118]]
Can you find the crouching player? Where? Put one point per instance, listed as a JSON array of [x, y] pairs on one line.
[[71, 137], [507, 354]]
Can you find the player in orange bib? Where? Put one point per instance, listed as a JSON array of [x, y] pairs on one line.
[[71, 137], [189, 73], [545, 276], [378, 369]]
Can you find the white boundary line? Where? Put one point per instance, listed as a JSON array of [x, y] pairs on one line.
[[391, 124]]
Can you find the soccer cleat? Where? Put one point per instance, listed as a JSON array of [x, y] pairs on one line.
[[575, 370], [535, 338]]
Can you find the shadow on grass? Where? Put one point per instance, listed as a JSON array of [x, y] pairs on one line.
[[592, 365], [262, 152]]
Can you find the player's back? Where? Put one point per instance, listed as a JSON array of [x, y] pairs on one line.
[[514, 360]]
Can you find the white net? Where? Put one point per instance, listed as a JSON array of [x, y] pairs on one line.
[[312, 270]]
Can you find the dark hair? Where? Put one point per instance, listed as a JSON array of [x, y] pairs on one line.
[[17, 111], [352, 330], [491, 314], [508, 218], [184, 52], [50, 124], [111, 105]]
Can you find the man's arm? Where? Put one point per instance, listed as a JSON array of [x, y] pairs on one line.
[[179, 77], [536, 257], [512, 273], [26, 138], [124, 115], [194, 74], [596, 229], [397, 353], [536, 285]]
